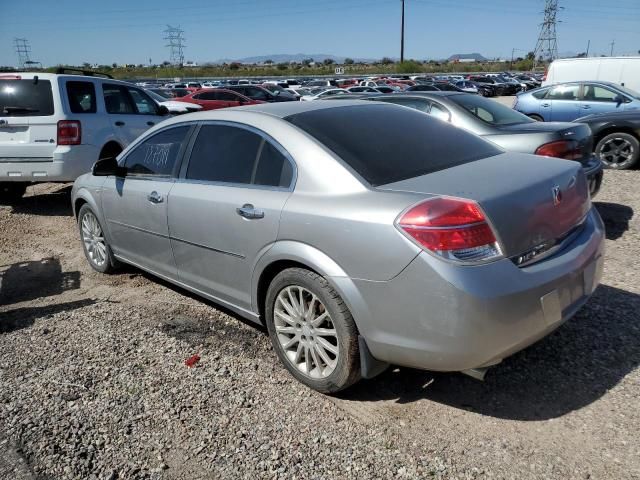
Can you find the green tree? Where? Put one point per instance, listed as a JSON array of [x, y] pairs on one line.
[[282, 66], [386, 61], [329, 61], [410, 66], [307, 61], [349, 61], [234, 66], [268, 62]]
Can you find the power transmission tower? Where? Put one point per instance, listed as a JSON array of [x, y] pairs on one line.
[[174, 35], [547, 45], [23, 49]]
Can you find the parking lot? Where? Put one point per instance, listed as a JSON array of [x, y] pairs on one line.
[[94, 385]]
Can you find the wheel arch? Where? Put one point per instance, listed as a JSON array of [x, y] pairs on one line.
[[109, 149], [609, 129]]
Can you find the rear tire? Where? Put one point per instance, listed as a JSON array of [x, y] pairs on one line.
[[618, 151], [12, 191], [535, 117], [94, 243], [312, 331]]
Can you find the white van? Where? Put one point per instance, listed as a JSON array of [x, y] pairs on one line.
[[55, 126], [624, 71]]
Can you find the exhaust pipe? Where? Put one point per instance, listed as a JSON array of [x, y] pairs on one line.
[[477, 373]]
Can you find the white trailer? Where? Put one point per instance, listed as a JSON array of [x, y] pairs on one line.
[[624, 71]]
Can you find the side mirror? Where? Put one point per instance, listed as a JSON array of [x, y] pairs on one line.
[[277, 92], [107, 167], [163, 110], [619, 99]]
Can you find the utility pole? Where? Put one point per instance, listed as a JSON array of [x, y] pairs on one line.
[[588, 45], [402, 35], [613, 42], [547, 45]]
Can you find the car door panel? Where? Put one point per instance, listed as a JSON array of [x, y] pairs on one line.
[[214, 246]]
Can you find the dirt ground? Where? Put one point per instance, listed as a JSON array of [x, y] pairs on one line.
[[93, 382]]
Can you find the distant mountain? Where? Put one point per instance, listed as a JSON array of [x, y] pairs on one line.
[[287, 58], [467, 56]]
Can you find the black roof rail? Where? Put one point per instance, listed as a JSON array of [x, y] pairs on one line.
[[77, 71]]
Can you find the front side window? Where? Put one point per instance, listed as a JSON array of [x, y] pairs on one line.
[[205, 96], [144, 104], [563, 92], [594, 93], [82, 97], [157, 156], [117, 100], [228, 154]]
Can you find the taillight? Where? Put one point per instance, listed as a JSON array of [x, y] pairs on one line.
[[69, 132], [569, 149], [453, 228]]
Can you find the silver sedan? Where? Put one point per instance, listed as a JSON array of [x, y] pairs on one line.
[[362, 234]]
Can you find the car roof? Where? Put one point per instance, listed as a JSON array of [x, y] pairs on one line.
[[284, 109]]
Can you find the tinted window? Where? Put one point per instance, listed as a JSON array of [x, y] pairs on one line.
[[563, 92], [386, 143], [224, 154], [144, 104], [206, 96], [82, 97], [227, 97], [117, 100], [25, 98], [158, 154], [273, 168], [489, 111]]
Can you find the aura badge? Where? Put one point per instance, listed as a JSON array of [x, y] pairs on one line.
[[557, 195]]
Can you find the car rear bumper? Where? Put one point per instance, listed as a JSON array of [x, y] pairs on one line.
[[594, 172], [441, 316], [67, 164]]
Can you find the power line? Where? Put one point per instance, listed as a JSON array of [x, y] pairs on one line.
[[547, 44], [174, 35]]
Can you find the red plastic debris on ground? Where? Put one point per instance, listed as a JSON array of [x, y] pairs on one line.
[[191, 361]]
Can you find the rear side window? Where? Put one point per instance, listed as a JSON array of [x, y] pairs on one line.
[[229, 154], [223, 153], [157, 155], [25, 98], [540, 93], [386, 143], [82, 97]]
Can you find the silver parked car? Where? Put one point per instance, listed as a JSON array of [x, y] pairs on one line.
[[362, 234]]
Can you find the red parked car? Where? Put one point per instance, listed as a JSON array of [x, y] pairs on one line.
[[214, 98]]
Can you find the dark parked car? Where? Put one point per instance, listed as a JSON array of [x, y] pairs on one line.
[[256, 92], [616, 137], [423, 88], [500, 88], [507, 128]]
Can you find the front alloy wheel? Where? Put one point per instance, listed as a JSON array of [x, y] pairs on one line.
[[619, 151]]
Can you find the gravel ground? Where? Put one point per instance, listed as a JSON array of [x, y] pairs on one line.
[[93, 382]]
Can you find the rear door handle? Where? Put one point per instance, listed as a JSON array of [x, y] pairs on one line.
[[151, 124], [119, 123], [586, 107], [155, 197], [545, 104], [248, 211]]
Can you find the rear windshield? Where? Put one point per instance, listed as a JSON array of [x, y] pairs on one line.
[[489, 111], [387, 143], [25, 98]]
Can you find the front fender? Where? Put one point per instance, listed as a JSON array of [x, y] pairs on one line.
[[90, 195]]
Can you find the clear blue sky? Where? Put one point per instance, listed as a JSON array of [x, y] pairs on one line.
[[127, 31]]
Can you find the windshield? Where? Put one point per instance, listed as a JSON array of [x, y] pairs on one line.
[[387, 143], [489, 111], [25, 98], [628, 91]]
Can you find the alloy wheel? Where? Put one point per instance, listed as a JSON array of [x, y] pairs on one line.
[[306, 332], [93, 239], [616, 151]]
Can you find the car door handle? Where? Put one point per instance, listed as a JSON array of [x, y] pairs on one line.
[[119, 123], [248, 211], [151, 124], [155, 197], [545, 104], [586, 107]]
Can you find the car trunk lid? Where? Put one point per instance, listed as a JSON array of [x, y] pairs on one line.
[[529, 201]]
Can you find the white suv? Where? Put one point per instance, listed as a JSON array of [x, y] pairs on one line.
[[55, 126]]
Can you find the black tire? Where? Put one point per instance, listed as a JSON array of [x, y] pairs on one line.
[[618, 151], [12, 191], [110, 264], [535, 117], [347, 369]]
